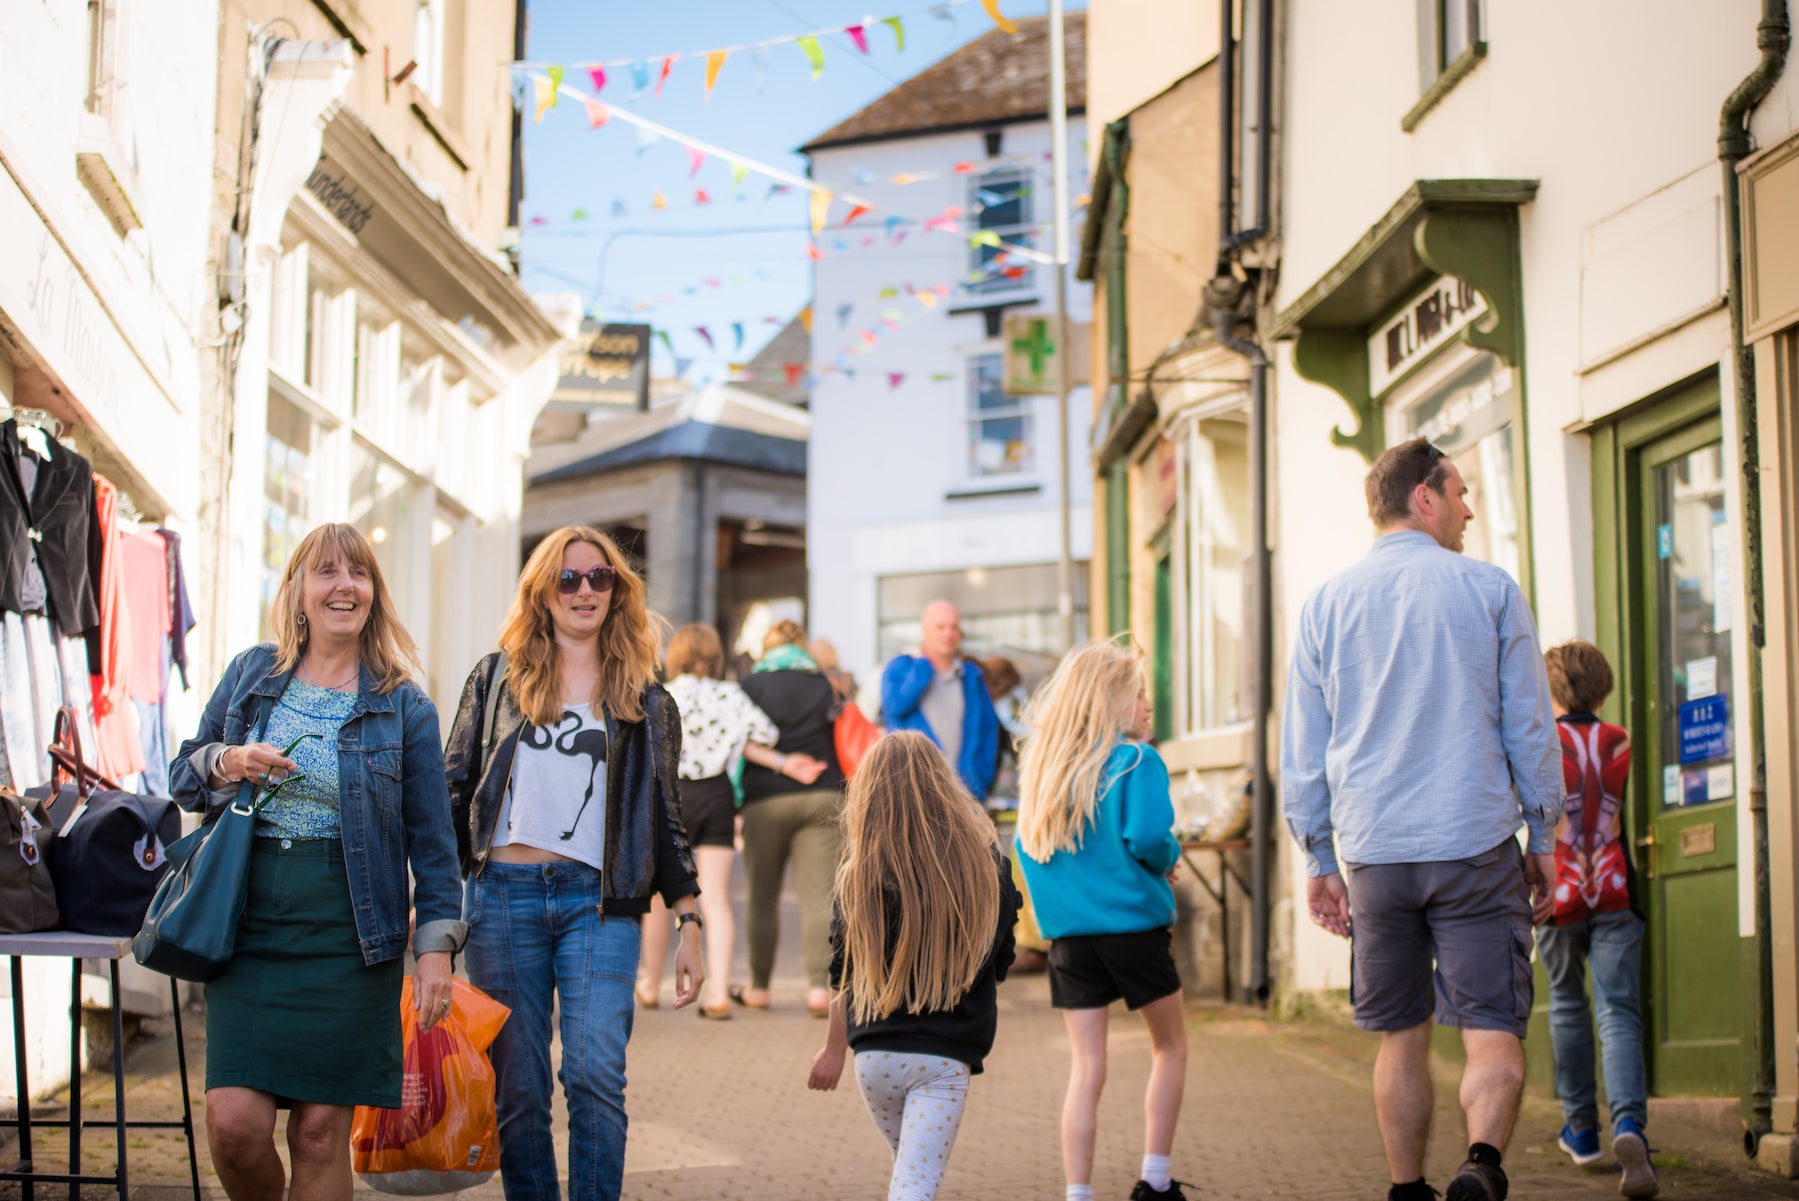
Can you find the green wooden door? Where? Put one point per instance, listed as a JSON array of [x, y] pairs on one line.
[[1162, 665], [1684, 773]]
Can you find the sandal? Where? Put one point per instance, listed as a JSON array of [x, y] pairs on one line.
[[735, 992], [721, 1014]]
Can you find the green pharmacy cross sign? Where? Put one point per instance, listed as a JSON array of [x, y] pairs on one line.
[[1030, 356]]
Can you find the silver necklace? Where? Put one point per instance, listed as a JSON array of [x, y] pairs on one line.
[[307, 671]]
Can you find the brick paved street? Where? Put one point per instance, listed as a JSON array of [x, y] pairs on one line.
[[719, 1110]]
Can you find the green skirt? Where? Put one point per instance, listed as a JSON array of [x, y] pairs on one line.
[[298, 1014]]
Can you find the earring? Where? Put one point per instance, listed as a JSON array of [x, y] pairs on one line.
[[301, 619]]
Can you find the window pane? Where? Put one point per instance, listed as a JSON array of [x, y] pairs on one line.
[[288, 461], [1001, 202], [1216, 508], [1001, 445]]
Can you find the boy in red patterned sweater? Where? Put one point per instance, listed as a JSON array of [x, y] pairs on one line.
[[1596, 923]]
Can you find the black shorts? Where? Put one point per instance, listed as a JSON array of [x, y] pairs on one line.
[[709, 811], [1090, 971]]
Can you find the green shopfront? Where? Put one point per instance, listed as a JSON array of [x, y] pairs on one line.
[[1419, 330]]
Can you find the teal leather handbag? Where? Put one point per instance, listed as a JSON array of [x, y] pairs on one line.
[[190, 929]]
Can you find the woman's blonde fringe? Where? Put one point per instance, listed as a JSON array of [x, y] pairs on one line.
[[1073, 722], [919, 847]]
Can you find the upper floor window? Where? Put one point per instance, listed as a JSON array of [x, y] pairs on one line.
[[428, 48], [102, 53], [999, 426], [1447, 30], [1001, 203]]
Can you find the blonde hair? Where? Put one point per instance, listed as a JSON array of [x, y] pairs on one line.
[[1073, 723], [696, 650], [921, 852], [783, 633], [629, 637], [385, 647]]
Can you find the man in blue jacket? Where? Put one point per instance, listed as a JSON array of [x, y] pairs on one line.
[[944, 697]]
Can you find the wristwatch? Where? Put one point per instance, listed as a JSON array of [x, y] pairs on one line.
[[683, 919]]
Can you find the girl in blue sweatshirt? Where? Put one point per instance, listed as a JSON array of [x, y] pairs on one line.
[[1095, 834]]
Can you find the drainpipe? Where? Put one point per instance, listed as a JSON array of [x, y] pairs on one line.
[[1223, 301], [1772, 37]]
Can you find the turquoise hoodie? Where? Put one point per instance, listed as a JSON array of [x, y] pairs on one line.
[[1117, 882]]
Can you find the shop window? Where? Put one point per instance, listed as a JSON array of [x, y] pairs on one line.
[[999, 426], [290, 315], [1001, 203], [377, 376], [383, 503], [1466, 411], [428, 48], [289, 487], [1008, 611], [1210, 553]]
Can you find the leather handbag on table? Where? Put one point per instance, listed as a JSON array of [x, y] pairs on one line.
[[110, 848], [27, 895], [190, 929]]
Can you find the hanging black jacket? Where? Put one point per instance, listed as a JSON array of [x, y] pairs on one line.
[[57, 520], [646, 843]]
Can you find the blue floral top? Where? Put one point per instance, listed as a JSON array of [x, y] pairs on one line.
[[306, 808]]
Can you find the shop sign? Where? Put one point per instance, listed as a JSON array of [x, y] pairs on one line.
[[610, 366], [330, 185], [1424, 323], [1705, 730], [1031, 356]]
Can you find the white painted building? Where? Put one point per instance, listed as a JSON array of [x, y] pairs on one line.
[[1502, 226], [925, 479]]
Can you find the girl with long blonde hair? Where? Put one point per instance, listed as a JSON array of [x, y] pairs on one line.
[[1095, 826], [921, 937], [562, 775]]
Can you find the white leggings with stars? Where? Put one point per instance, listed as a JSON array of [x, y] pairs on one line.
[[916, 1101]]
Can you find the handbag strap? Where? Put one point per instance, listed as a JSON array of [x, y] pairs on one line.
[[496, 673], [65, 752]]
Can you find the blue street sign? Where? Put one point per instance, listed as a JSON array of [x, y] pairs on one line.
[[1705, 730]]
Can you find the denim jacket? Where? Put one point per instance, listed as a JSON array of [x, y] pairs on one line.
[[394, 807]]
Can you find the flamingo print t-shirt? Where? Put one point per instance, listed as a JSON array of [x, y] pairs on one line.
[[557, 799], [1592, 860]]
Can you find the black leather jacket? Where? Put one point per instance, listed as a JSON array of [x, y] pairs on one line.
[[646, 843]]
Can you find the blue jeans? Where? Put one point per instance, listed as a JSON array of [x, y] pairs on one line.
[[1612, 944], [536, 938]]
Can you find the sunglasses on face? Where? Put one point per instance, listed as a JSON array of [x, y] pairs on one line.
[[600, 579]]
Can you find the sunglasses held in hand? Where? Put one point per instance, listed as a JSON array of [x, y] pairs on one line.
[[274, 786], [600, 579]]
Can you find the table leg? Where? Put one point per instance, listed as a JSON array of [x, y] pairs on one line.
[[75, 1077], [187, 1105], [118, 1078], [1224, 920], [20, 1073]]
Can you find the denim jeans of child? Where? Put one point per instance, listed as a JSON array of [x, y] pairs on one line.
[[1612, 945], [536, 940]]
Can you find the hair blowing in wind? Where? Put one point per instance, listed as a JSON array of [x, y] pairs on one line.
[[919, 852], [1074, 721]]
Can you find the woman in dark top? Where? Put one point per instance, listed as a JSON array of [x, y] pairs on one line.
[[791, 810], [921, 939]]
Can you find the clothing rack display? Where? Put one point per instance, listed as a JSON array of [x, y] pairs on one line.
[[94, 612]]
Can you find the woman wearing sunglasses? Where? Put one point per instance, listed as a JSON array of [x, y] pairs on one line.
[[344, 747], [562, 768]]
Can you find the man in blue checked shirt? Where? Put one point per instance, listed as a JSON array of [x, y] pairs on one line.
[[1418, 732]]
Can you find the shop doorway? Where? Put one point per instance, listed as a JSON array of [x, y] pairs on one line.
[[1669, 599]]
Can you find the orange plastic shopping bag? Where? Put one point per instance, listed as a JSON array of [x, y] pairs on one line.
[[444, 1137]]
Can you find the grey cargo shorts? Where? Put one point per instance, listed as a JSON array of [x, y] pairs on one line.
[[1453, 936]]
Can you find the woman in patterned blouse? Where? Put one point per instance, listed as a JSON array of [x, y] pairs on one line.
[[718, 723]]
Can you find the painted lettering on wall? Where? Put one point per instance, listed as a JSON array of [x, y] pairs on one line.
[[61, 304], [340, 197]]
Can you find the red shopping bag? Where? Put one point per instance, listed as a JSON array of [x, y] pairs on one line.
[[444, 1137], [852, 734]]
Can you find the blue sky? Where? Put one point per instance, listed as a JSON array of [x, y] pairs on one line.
[[753, 245]]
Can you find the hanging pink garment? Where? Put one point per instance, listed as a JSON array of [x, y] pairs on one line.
[[118, 753], [144, 557]]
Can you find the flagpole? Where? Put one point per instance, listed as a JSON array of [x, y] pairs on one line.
[[1058, 136]]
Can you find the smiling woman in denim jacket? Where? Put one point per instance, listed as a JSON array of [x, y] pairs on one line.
[[568, 819], [308, 1013]]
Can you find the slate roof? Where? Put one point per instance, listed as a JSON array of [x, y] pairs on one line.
[[699, 440], [995, 79]]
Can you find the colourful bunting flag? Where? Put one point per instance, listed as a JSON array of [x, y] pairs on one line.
[[739, 173], [759, 58], [640, 78], [715, 63], [706, 335], [942, 13], [539, 220], [870, 240], [821, 207], [859, 36], [546, 97], [806, 318], [695, 157], [1015, 272], [985, 237], [887, 293], [700, 197], [999, 18], [662, 337], [555, 74], [681, 366], [870, 337], [597, 113], [814, 52], [793, 371], [737, 332], [645, 139], [843, 313], [863, 175], [895, 378], [892, 223], [668, 64], [812, 251], [657, 202], [619, 209], [839, 245], [578, 215], [928, 299], [941, 377], [963, 168], [855, 212], [904, 178], [597, 73], [899, 31]]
